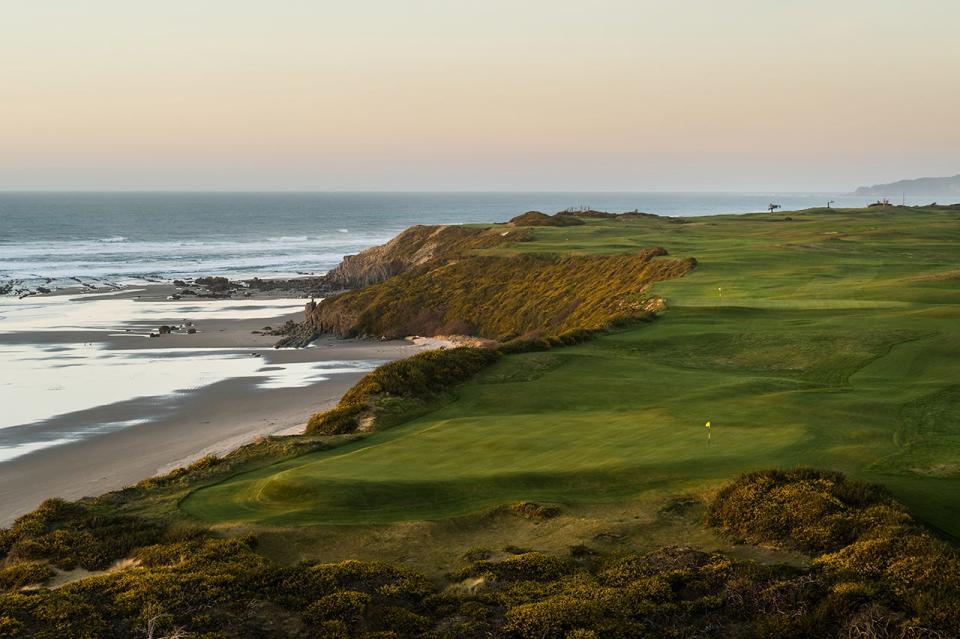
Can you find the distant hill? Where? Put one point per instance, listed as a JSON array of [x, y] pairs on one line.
[[933, 186]]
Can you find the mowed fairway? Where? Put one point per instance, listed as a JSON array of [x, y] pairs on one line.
[[830, 340]]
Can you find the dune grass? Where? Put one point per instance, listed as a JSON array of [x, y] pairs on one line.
[[828, 340]]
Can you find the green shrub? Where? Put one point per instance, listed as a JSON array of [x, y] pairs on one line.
[[27, 573], [893, 579], [804, 508], [528, 566], [536, 218], [502, 298], [865, 541], [68, 534], [336, 421], [534, 511], [418, 378], [347, 606]]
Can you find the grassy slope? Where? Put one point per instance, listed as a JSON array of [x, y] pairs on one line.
[[834, 344]]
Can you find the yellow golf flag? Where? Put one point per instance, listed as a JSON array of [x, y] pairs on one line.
[[708, 424]]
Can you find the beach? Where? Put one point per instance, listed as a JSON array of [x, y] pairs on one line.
[[114, 406]]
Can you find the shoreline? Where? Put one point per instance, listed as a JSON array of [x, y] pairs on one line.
[[187, 424]]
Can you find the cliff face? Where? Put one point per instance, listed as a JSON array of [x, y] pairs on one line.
[[416, 246], [498, 298]]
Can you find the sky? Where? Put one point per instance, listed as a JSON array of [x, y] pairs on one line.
[[756, 95]]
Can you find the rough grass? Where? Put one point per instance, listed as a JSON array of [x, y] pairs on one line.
[[536, 218], [503, 297]]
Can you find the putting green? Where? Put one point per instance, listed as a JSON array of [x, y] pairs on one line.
[[830, 340]]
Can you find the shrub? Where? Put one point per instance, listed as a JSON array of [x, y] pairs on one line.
[[804, 508], [893, 579], [419, 378], [347, 606], [535, 511], [68, 534], [865, 542], [528, 566], [536, 218], [503, 297], [25, 574]]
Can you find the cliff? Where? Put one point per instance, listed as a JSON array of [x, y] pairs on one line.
[[499, 298], [415, 246]]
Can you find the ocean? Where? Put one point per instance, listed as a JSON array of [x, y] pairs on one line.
[[58, 240]]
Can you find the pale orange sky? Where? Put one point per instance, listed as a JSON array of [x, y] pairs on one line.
[[534, 95]]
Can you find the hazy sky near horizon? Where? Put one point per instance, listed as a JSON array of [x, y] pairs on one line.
[[454, 95]]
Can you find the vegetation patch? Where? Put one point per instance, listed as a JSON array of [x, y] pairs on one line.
[[536, 218], [886, 578], [534, 511], [864, 541], [417, 379], [69, 534], [503, 298]]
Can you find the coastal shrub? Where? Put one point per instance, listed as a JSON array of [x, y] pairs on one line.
[[40, 521], [906, 565], [69, 534], [503, 298], [26, 573], [808, 509], [347, 606], [422, 375], [336, 421], [862, 538], [420, 378], [552, 617], [893, 579], [534, 511], [528, 566], [536, 218]]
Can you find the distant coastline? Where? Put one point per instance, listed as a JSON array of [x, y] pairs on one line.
[[933, 187]]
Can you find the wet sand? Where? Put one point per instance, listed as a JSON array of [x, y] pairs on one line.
[[186, 425]]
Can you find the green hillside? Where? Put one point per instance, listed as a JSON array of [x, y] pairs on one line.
[[572, 491], [824, 338]]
